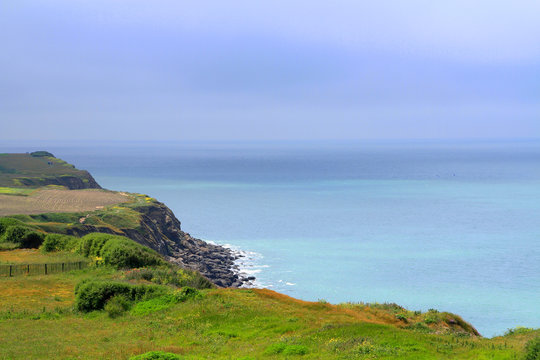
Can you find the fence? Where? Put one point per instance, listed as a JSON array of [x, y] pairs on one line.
[[40, 269]]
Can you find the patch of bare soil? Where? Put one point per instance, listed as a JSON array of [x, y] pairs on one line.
[[53, 200]]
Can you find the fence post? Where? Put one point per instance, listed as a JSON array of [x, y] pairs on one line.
[[45, 269], [80, 265], [28, 269], [62, 267], [10, 270]]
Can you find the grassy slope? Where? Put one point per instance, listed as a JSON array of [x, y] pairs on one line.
[[37, 321], [114, 217], [14, 167]]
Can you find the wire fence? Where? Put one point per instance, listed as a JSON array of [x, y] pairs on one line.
[[41, 269]]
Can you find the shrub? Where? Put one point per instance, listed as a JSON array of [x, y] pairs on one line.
[[118, 251], [187, 293], [117, 305], [24, 236], [532, 349], [93, 295], [58, 242], [121, 252], [402, 317], [6, 222], [170, 276], [156, 355], [140, 274], [92, 244]]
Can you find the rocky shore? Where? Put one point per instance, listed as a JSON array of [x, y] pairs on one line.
[[215, 262], [161, 230]]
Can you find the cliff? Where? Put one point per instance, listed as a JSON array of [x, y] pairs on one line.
[[42, 169], [142, 219], [159, 229]]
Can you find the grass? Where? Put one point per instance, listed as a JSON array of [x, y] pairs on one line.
[[15, 191], [24, 170], [34, 256], [77, 208], [37, 321]]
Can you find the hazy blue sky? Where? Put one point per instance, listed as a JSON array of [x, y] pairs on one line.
[[225, 70]]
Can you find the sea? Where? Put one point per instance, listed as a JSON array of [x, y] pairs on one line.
[[447, 225]]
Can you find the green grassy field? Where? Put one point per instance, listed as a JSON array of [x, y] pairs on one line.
[[25, 170], [38, 321]]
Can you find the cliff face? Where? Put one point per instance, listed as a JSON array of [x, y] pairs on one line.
[[84, 181], [159, 229]]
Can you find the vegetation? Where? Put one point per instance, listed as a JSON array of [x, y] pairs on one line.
[[152, 311], [41, 154], [532, 349], [38, 169], [116, 251], [15, 191], [92, 295], [156, 355]]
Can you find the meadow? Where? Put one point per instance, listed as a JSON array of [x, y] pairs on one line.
[[39, 320]]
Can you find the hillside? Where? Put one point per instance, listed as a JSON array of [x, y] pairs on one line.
[[38, 321], [123, 279], [32, 170]]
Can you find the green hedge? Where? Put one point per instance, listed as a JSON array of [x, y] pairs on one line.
[[23, 236], [6, 222], [59, 242], [117, 251], [94, 294]]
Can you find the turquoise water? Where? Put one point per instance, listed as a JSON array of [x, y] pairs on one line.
[[451, 226]]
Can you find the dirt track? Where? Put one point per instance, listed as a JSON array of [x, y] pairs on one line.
[[46, 201]]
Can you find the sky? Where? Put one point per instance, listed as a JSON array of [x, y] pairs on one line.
[[269, 70]]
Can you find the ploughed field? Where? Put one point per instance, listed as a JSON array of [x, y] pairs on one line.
[[59, 200]]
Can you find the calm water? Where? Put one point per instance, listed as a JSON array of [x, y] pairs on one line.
[[452, 226]]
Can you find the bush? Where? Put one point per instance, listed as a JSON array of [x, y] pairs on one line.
[[118, 251], [6, 222], [117, 305], [170, 276], [122, 252], [532, 349], [187, 293], [24, 236], [156, 355], [58, 242], [92, 244], [93, 295]]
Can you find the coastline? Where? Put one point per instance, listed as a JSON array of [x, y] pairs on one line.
[[244, 265]]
